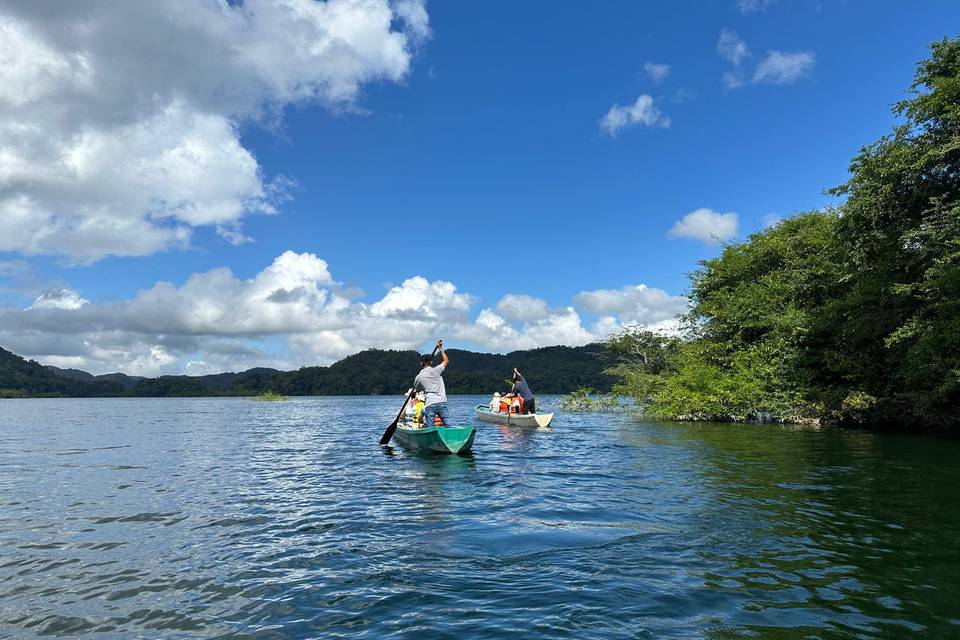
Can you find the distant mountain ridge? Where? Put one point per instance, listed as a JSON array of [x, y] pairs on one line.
[[372, 372]]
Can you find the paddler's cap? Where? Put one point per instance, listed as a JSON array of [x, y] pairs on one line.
[[426, 358]]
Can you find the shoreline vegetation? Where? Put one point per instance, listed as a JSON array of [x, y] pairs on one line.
[[848, 315], [585, 400], [269, 396]]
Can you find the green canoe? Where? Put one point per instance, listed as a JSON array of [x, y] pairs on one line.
[[439, 439]]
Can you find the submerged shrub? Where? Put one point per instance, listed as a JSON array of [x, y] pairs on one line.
[[269, 396], [580, 400]]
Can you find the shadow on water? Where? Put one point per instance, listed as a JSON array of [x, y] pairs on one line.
[[442, 466], [389, 450], [806, 528]]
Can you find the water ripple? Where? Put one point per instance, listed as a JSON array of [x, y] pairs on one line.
[[224, 518]]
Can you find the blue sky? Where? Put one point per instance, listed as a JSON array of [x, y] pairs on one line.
[[484, 164]]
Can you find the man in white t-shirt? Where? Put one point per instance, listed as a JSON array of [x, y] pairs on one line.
[[430, 380]]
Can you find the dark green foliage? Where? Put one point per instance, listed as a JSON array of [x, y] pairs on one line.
[[125, 381], [752, 311], [548, 370], [22, 378], [269, 396], [583, 400], [173, 386], [644, 363], [893, 334], [73, 374]]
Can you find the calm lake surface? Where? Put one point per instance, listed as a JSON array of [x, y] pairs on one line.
[[228, 518]]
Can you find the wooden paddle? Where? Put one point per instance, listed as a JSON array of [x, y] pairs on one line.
[[385, 438]]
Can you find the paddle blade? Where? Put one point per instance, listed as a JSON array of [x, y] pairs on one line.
[[385, 438]]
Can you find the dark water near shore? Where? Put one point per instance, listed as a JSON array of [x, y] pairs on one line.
[[227, 518]]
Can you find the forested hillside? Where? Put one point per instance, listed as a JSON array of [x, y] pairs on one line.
[[548, 370], [22, 378]]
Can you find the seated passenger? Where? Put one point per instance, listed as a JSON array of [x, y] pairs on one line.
[[410, 414], [495, 403], [419, 404], [414, 409]]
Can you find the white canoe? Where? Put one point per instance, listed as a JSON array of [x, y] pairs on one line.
[[515, 419]]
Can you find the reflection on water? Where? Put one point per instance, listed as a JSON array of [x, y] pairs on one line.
[[519, 438], [234, 519]]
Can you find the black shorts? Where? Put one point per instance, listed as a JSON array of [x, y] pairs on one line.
[[530, 406]]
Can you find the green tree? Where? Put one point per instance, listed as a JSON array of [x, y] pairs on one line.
[[644, 360], [892, 339], [752, 308]]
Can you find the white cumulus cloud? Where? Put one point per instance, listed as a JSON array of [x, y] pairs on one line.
[[783, 68], [522, 308], [633, 305], [414, 14], [706, 225], [495, 332], [642, 112], [731, 47], [294, 313], [119, 121], [58, 298], [777, 67]]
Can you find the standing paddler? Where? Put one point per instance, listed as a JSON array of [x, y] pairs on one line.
[[430, 380], [523, 390]]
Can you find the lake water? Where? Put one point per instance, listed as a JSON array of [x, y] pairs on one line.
[[227, 518]]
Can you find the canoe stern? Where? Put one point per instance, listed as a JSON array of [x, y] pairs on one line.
[[455, 439], [458, 439]]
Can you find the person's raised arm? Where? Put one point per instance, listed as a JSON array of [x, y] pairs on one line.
[[443, 354]]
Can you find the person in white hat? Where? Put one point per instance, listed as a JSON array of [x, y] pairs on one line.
[[411, 407], [495, 402], [415, 408]]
